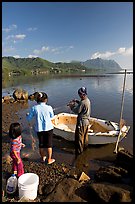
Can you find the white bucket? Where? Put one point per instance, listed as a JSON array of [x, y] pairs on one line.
[[28, 185]]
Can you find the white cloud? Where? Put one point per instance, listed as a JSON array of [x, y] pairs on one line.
[[42, 50], [121, 51], [10, 28], [16, 37], [61, 49], [56, 50], [129, 51], [125, 52], [32, 29], [71, 47], [20, 36], [9, 37], [8, 49], [16, 56], [13, 26], [6, 29], [102, 55], [32, 56]]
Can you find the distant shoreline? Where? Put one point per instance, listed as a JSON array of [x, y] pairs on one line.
[[121, 72], [93, 75]]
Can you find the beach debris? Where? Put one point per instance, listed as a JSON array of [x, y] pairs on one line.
[[84, 177], [65, 169]]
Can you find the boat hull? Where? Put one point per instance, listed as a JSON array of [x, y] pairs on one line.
[[92, 139], [65, 123]]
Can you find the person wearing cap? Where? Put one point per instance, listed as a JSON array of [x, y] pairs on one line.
[[83, 109], [43, 114]]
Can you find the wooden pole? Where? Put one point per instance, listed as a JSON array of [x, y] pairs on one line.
[[121, 113]]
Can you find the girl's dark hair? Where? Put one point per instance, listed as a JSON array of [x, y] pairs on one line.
[[15, 130], [41, 97]]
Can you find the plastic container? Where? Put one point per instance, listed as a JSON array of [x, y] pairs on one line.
[[11, 184], [28, 185]]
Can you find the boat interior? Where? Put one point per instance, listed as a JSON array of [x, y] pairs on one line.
[[68, 123]]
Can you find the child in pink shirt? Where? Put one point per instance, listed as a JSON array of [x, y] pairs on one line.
[[16, 145]]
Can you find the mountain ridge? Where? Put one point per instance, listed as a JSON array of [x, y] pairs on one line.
[[40, 65]]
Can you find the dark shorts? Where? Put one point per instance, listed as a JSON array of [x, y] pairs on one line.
[[45, 138]]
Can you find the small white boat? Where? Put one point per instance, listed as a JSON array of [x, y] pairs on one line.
[[100, 131]]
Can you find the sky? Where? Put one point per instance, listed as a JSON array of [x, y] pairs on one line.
[[69, 31]]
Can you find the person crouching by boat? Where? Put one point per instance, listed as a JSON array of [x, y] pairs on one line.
[[44, 127], [83, 109], [16, 145]]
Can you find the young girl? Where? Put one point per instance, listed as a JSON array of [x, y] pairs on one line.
[[16, 145]]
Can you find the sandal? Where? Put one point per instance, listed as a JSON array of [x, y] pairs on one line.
[[43, 159], [53, 160]]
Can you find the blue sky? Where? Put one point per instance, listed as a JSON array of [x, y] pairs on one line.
[[66, 31]]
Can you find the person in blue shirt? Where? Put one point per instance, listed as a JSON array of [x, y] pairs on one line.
[[43, 114]]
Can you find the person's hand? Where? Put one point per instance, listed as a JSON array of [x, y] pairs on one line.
[[72, 103], [74, 100], [18, 160], [23, 145]]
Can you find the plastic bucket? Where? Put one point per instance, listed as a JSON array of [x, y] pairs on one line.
[[28, 185]]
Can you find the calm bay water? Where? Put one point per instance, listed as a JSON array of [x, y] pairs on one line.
[[105, 93]]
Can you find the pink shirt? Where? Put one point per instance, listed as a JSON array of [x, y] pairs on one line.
[[16, 144]]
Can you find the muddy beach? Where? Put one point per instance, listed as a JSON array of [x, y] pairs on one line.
[[51, 175]]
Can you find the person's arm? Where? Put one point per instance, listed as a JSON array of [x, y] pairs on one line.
[[30, 115], [18, 159], [51, 112], [78, 108], [75, 109], [77, 101]]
